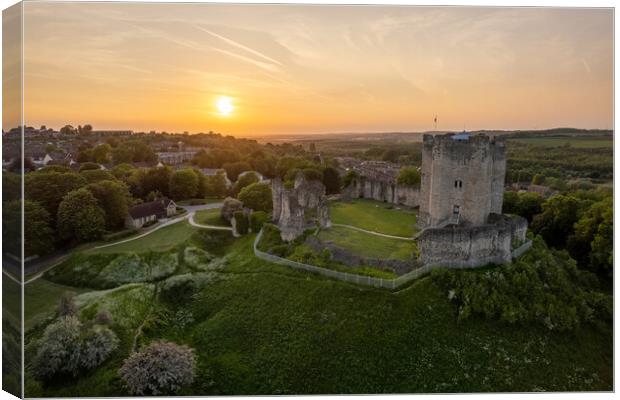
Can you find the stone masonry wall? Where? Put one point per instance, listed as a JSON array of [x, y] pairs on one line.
[[464, 247], [465, 171]]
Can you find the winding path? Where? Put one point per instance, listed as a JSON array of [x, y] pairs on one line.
[[355, 228], [197, 225]]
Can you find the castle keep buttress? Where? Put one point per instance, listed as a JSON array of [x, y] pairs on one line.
[[462, 179]]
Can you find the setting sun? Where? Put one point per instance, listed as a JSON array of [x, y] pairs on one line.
[[224, 105]]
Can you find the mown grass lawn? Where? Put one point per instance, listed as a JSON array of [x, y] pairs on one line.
[[161, 240], [210, 217], [369, 245], [374, 216]]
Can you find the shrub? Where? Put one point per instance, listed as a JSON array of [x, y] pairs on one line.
[[409, 176], [543, 287], [58, 349], [257, 220], [229, 207], [195, 257], [103, 317], [97, 344], [241, 222], [257, 197], [161, 368]]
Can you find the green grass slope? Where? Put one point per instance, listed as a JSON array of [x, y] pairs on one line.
[[374, 216], [268, 329]]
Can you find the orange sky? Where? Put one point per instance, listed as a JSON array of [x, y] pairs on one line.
[[312, 69]]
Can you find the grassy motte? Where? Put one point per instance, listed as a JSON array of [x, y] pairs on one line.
[[368, 245], [374, 216]]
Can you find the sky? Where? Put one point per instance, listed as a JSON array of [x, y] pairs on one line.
[[251, 70]]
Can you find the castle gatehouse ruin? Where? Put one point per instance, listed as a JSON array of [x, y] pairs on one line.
[[461, 198], [300, 207]]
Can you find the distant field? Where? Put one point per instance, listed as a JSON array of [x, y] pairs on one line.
[[374, 216], [160, 240], [369, 245], [580, 142]]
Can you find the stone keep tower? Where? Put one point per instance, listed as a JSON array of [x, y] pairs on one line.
[[462, 179]]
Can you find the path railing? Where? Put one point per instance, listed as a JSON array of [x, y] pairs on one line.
[[359, 279]]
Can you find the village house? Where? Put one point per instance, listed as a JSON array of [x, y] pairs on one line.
[[150, 212]]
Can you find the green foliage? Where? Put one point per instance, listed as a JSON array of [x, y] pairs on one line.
[[113, 197], [215, 186], [257, 220], [349, 178], [68, 347], [257, 197], [245, 180], [101, 153], [160, 368], [80, 218], [184, 184], [97, 175], [526, 204], [88, 166], [542, 287], [233, 169], [38, 234], [409, 176], [538, 179], [241, 222], [592, 242], [49, 188], [229, 207], [331, 180], [555, 223]]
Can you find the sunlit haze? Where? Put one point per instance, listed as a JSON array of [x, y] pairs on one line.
[[284, 69]]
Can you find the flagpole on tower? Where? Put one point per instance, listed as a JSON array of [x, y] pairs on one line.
[[435, 122]]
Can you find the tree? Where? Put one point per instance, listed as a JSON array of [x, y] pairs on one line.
[[58, 349], [245, 180], [184, 184], [235, 168], [97, 175], [555, 223], [257, 220], [101, 153], [122, 171], [68, 130], [331, 180], [349, 178], [257, 196], [229, 207], [241, 222], [215, 186], [68, 347], [88, 166], [409, 176], [122, 154], [592, 242], [538, 179], [113, 197], [48, 188], [80, 218], [11, 186], [38, 234], [161, 368]]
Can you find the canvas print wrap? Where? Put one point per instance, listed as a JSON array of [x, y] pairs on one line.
[[256, 199]]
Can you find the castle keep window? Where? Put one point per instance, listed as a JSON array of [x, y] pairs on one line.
[[458, 183]]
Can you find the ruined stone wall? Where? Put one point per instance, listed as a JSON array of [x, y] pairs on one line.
[[466, 247], [299, 208], [363, 187], [464, 171]]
